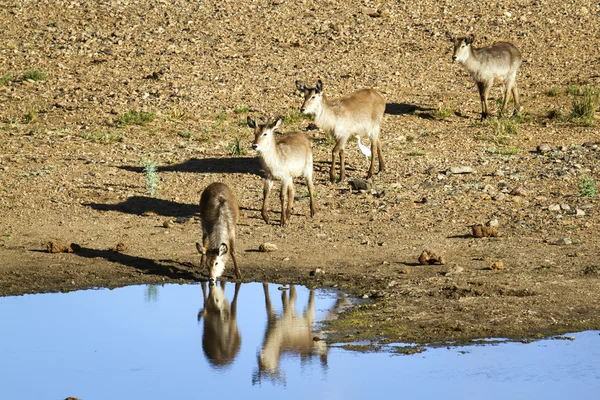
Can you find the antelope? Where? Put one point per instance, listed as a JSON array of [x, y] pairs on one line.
[[349, 116], [221, 339], [288, 332], [283, 159], [219, 213], [498, 62]]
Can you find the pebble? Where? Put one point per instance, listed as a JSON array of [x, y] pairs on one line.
[[565, 207], [579, 212], [493, 223], [267, 247], [563, 241], [543, 148], [554, 207], [461, 170], [182, 220], [317, 272], [168, 224]]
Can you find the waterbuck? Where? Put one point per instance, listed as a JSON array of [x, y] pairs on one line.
[[283, 158], [349, 116], [498, 62], [219, 213]]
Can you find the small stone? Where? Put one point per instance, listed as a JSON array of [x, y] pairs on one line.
[[497, 265], [554, 207], [405, 270], [480, 231], [565, 207], [461, 170], [579, 212], [182, 220], [493, 223], [359, 184], [518, 191], [543, 148], [317, 272], [563, 241], [168, 224], [121, 247], [267, 247]]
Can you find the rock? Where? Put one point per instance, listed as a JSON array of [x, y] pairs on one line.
[[405, 270], [543, 148], [121, 247], [428, 257], [579, 212], [497, 265], [563, 241], [493, 223], [554, 207], [267, 247], [317, 272], [168, 224], [56, 246], [461, 170], [480, 231], [359, 184], [182, 220], [454, 271], [518, 191], [565, 207]]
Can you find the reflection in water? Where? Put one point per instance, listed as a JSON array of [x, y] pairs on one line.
[[151, 294], [290, 333], [221, 339]]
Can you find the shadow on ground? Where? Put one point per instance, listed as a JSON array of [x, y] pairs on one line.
[[139, 205], [403, 108], [167, 268], [231, 165]]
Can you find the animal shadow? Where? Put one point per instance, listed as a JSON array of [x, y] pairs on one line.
[[232, 165], [139, 205]]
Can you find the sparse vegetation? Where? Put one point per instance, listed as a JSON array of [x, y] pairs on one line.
[[5, 79], [30, 116], [34, 75], [587, 186], [504, 126], [573, 90], [241, 109], [584, 107], [103, 137], [416, 154], [177, 114], [443, 113], [151, 175], [237, 148], [132, 117], [555, 91]]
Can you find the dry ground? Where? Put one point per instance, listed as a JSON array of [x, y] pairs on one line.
[[70, 171]]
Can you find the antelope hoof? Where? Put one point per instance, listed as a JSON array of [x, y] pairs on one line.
[[265, 218]]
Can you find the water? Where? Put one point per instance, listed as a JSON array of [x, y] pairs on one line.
[[148, 342]]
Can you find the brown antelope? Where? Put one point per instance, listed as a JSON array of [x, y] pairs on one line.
[[283, 159], [219, 212], [221, 339], [498, 62], [349, 116], [288, 332]]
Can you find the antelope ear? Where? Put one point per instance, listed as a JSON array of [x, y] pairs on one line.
[[222, 249], [319, 86], [300, 86], [251, 122], [277, 123], [470, 39], [450, 37], [200, 249]]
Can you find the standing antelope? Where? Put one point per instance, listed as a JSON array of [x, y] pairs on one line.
[[498, 62], [219, 212], [349, 116], [283, 159]]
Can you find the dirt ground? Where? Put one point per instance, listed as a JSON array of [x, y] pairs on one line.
[[71, 170]]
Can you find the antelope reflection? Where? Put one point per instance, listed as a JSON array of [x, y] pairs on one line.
[[290, 333], [221, 340]]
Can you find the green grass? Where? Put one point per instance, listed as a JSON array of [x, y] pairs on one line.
[[583, 109], [30, 116], [443, 113], [6, 79], [504, 126], [557, 114], [587, 186], [555, 91], [241, 109], [34, 75], [573, 90], [237, 147], [103, 137], [150, 174], [132, 117], [416, 154]]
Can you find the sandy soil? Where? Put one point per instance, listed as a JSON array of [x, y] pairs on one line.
[[71, 172]]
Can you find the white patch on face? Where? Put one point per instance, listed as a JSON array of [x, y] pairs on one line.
[[462, 53], [217, 268]]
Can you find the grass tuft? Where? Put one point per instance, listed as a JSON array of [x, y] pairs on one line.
[[6, 79], [151, 175], [587, 186], [237, 148], [132, 117], [34, 75], [583, 109]]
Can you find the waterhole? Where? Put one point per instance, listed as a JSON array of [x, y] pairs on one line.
[[254, 341]]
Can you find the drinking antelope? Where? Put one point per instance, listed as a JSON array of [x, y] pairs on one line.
[[221, 339], [498, 62], [219, 212], [283, 159], [349, 116]]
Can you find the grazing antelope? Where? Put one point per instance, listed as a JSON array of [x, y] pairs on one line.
[[283, 159], [219, 212], [498, 62], [349, 116], [221, 339]]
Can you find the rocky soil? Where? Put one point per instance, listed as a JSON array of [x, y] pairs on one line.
[[71, 163]]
